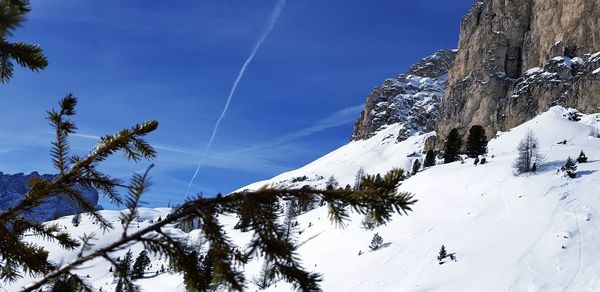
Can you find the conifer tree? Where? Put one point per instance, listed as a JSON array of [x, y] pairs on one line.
[[65, 284], [582, 158], [416, 166], [442, 254], [76, 219], [127, 262], [453, 146], [476, 142], [570, 168], [140, 265], [429, 159], [376, 242], [123, 272]]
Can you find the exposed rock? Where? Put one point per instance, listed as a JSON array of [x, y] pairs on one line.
[[435, 65], [411, 99], [13, 187], [518, 58]]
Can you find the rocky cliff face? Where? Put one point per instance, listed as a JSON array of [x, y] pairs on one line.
[[13, 187], [517, 58], [411, 99]]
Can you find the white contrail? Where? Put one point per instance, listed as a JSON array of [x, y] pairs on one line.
[[270, 24]]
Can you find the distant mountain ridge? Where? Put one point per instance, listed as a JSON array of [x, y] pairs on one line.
[[14, 187]]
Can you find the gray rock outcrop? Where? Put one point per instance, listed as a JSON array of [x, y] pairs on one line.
[[411, 99]]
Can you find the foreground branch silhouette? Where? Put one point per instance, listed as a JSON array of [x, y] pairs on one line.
[[376, 198]]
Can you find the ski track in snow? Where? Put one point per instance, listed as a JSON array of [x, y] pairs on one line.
[[311, 238], [506, 210], [580, 257]]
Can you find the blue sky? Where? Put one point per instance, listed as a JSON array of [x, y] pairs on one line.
[[129, 61]]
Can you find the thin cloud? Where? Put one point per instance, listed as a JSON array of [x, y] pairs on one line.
[[337, 119], [174, 157], [258, 161], [86, 136]]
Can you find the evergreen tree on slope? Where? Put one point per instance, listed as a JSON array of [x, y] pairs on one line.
[[453, 146], [429, 159], [476, 142], [140, 265]]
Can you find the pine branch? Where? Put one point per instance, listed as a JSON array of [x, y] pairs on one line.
[[26, 55], [129, 141], [139, 184], [73, 172], [6, 67], [17, 255], [89, 209], [270, 241], [86, 243], [31, 56], [63, 127], [100, 253], [107, 146], [12, 14], [269, 235], [221, 248], [107, 185], [49, 232], [376, 198]]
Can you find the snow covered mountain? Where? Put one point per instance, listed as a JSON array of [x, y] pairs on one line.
[[507, 233], [13, 187]]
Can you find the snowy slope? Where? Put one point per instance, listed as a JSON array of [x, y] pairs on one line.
[[378, 154], [508, 232], [98, 270], [529, 233]]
